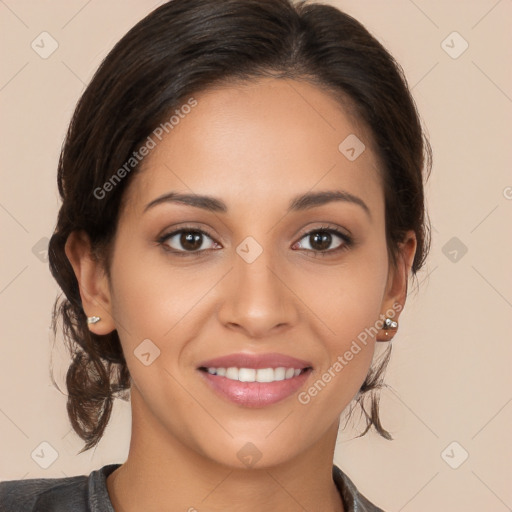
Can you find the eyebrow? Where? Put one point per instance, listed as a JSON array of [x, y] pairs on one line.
[[298, 203]]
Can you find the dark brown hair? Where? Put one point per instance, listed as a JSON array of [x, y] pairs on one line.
[[180, 49]]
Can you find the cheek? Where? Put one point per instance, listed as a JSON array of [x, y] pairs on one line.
[[155, 312], [349, 304], [150, 299], [167, 306], [350, 349], [348, 299]]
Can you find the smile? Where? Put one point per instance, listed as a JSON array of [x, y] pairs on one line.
[[262, 387], [256, 375]]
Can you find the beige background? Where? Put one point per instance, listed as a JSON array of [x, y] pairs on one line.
[[450, 372]]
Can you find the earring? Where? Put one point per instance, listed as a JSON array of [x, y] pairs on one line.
[[388, 330], [93, 319], [390, 324]]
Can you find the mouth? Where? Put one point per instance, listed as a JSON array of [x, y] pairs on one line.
[[255, 380], [261, 375]]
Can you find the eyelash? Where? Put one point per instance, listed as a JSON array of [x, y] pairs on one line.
[[348, 242]]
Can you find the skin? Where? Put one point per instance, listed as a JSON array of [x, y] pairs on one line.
[[255, 146]]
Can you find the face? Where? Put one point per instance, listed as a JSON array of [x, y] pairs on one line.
[[256, 272]]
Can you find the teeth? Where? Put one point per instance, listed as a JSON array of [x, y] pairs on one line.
[[246, 374], [253, 375], [232, 373]]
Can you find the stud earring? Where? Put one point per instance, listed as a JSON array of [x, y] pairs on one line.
[[93, 319], [388, 330], [390, 324]]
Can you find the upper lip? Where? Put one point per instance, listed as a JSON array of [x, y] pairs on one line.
[[256, 361]]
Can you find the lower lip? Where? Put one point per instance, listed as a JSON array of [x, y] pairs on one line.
[[255, 394]]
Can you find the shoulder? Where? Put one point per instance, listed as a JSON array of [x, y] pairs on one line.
[[352, 498], [54, 494], [30, 495]]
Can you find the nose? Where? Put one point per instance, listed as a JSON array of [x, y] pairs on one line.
[[258, 298]]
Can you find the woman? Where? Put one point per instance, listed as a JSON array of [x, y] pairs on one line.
[[242, 187]]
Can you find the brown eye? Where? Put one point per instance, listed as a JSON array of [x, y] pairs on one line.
[[321, 240], [191, 241], [186, 240]]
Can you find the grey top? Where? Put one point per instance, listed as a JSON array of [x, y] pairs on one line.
[[89, 493]]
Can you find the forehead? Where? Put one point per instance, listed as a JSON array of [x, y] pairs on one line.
[[260, 141]]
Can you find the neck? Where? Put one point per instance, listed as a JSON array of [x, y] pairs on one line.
[[162, 471]]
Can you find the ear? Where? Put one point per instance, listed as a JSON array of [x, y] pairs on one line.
[[92, 280], [396, 286]]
